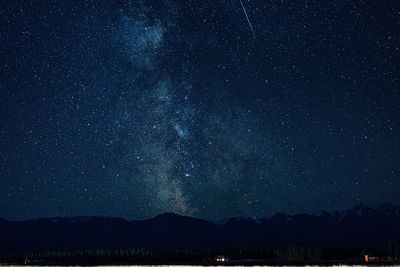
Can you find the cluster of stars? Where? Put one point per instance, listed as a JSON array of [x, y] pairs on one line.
[[130, 109]]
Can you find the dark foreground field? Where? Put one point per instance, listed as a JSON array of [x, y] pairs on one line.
[[380, 253]]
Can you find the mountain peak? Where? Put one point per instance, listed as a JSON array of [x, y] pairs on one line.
[[169, 215], [386, 209]]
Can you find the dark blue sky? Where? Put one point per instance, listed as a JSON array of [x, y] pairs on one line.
[[134, 108]]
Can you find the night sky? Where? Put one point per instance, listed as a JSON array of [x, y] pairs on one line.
[[135, 108]]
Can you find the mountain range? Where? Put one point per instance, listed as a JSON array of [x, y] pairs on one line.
[[359, 224]]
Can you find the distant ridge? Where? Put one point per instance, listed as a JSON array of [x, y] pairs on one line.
[[359, 224]]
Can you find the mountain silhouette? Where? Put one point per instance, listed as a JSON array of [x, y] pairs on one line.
[[359, 224]]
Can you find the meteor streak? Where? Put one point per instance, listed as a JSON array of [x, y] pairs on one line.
[[247, 17]]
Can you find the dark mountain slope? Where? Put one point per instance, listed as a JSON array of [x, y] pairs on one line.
[[360, 224]]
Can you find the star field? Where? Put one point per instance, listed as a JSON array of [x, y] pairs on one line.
[[135, 108]]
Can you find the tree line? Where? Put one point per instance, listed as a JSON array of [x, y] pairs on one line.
[[274, 254]]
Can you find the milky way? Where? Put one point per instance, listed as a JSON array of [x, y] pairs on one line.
[[134, 109]]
